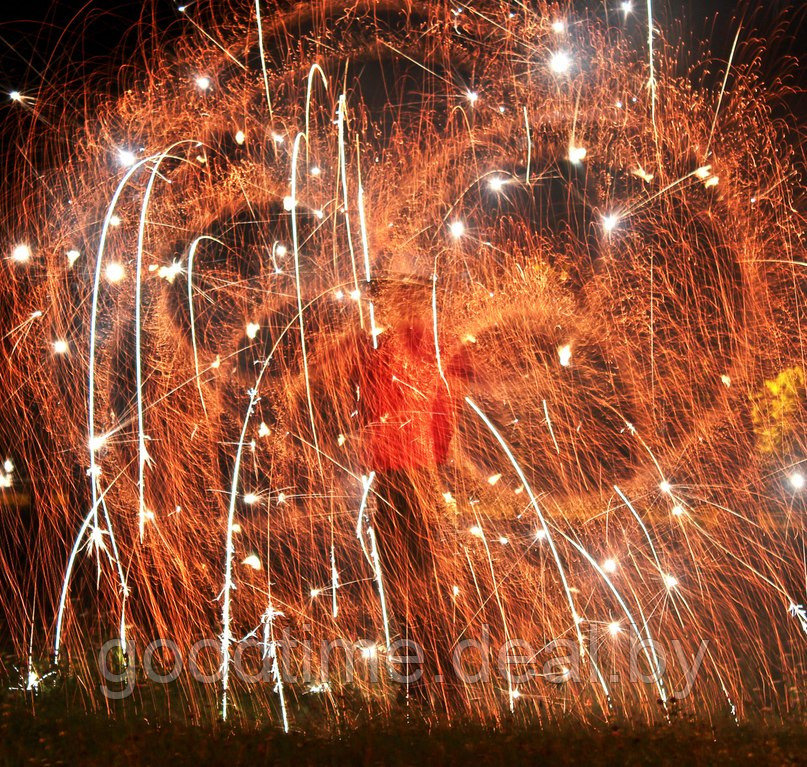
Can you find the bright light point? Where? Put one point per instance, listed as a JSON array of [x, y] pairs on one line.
[[493, 479], [355, 294], [665, 486], [280, 250], [252, 329], [577, 154], [703, 172], [614, 628], [288, 202], [560, 62], [97, 538], [263, 430], [711, 181], [558, 27], [725, 380], [60, 347], [609, 222], [315, 170], [114, 272], [678, 511], [515, 694], [627, 7], [277, 138], [797, 480], [240, 138], [540, 535], [315, 593], [670, 581], [252, 561], [169, 273], [565, 355], [504, 540], [618, 105], [319, 213], [477, 531], [21, 254], [114, 221], [609, 566], [15, 96], [368, 652], [126, 158], [457, 229], [641, 173], [97, 442], [455, 590], [72, 257], [8, 466], [250, 499], [472, 97], [203, 83], [496, 183]]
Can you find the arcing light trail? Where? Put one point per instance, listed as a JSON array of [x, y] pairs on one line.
[[462, 264]]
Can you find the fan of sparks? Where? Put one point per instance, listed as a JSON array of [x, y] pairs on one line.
[[601, 256]]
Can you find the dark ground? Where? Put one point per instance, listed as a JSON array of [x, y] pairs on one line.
[[57, 735]]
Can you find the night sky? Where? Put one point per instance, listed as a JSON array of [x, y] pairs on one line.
[[31, 32]]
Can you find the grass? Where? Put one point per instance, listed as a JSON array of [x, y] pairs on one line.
[[47, 730]]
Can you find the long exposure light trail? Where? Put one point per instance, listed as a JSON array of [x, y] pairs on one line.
[[474, 325]]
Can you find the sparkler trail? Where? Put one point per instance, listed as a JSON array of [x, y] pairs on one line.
[[516, 299]]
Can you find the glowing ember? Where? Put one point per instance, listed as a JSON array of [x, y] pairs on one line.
[[369, 326]]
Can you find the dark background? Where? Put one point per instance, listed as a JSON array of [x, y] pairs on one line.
[[80, 36], [77, 48]]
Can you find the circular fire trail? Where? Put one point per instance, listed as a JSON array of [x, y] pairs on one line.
[[476, 325]]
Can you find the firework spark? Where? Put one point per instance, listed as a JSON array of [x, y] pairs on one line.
[[390, 321]]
